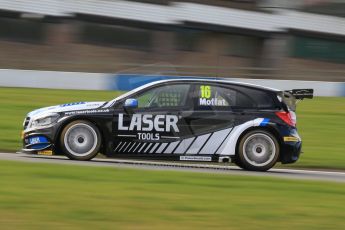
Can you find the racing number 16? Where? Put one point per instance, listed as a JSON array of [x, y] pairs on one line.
[[205, 91]]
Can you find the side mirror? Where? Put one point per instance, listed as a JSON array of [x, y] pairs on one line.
[[130, 104]]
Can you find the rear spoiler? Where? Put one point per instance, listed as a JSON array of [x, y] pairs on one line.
[[300, 94]]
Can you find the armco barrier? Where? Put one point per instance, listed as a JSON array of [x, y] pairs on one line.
[[54, 79], [125, 82]]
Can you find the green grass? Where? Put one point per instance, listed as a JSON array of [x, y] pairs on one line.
[[49, 196], [321, 124], [321, 121]]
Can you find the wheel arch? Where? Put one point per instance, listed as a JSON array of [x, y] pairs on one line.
[[269, 129]]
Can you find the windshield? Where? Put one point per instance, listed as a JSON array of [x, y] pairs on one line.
[[129, 93]]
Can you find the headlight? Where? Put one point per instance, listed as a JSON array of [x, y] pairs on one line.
[[44, 121]]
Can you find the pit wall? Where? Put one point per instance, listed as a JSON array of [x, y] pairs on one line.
[[125, 82]]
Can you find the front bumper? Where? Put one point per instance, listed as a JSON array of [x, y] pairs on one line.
[[38, 141]]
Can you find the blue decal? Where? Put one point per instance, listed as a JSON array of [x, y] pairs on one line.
[[38, 140], [40, 146], [264, 122], [74, 103]]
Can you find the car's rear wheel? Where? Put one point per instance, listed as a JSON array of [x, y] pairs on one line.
[[80, 140], [258, 150]]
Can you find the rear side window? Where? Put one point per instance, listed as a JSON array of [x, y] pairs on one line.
[[261, 98], [236, 97]]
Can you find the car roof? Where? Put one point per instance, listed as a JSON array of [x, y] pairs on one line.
[[181, 80], [224, 81]]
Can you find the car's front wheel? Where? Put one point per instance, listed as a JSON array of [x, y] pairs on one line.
[[258, 150], [80, 140]]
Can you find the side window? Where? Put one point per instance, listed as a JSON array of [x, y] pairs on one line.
[[217, 97], [210, 96], [164, 96]]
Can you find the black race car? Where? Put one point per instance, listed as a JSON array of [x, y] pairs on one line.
[[184, 119]]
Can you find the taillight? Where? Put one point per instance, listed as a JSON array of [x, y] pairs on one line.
[[287, 117]]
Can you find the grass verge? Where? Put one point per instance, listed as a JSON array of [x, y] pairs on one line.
[[321, 121], [42, 196]]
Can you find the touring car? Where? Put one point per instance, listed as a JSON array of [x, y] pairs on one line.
[[181, 119]]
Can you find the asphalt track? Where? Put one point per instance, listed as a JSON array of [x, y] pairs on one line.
[[178, 166]]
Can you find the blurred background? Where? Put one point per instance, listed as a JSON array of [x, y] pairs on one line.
[[110, 46], [273, 39]]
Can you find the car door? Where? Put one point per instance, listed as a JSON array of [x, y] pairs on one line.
[[156, 125], [212, 119]]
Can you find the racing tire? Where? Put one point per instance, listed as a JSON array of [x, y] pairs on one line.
[[237, 161], [258, 150], [80, 140]]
